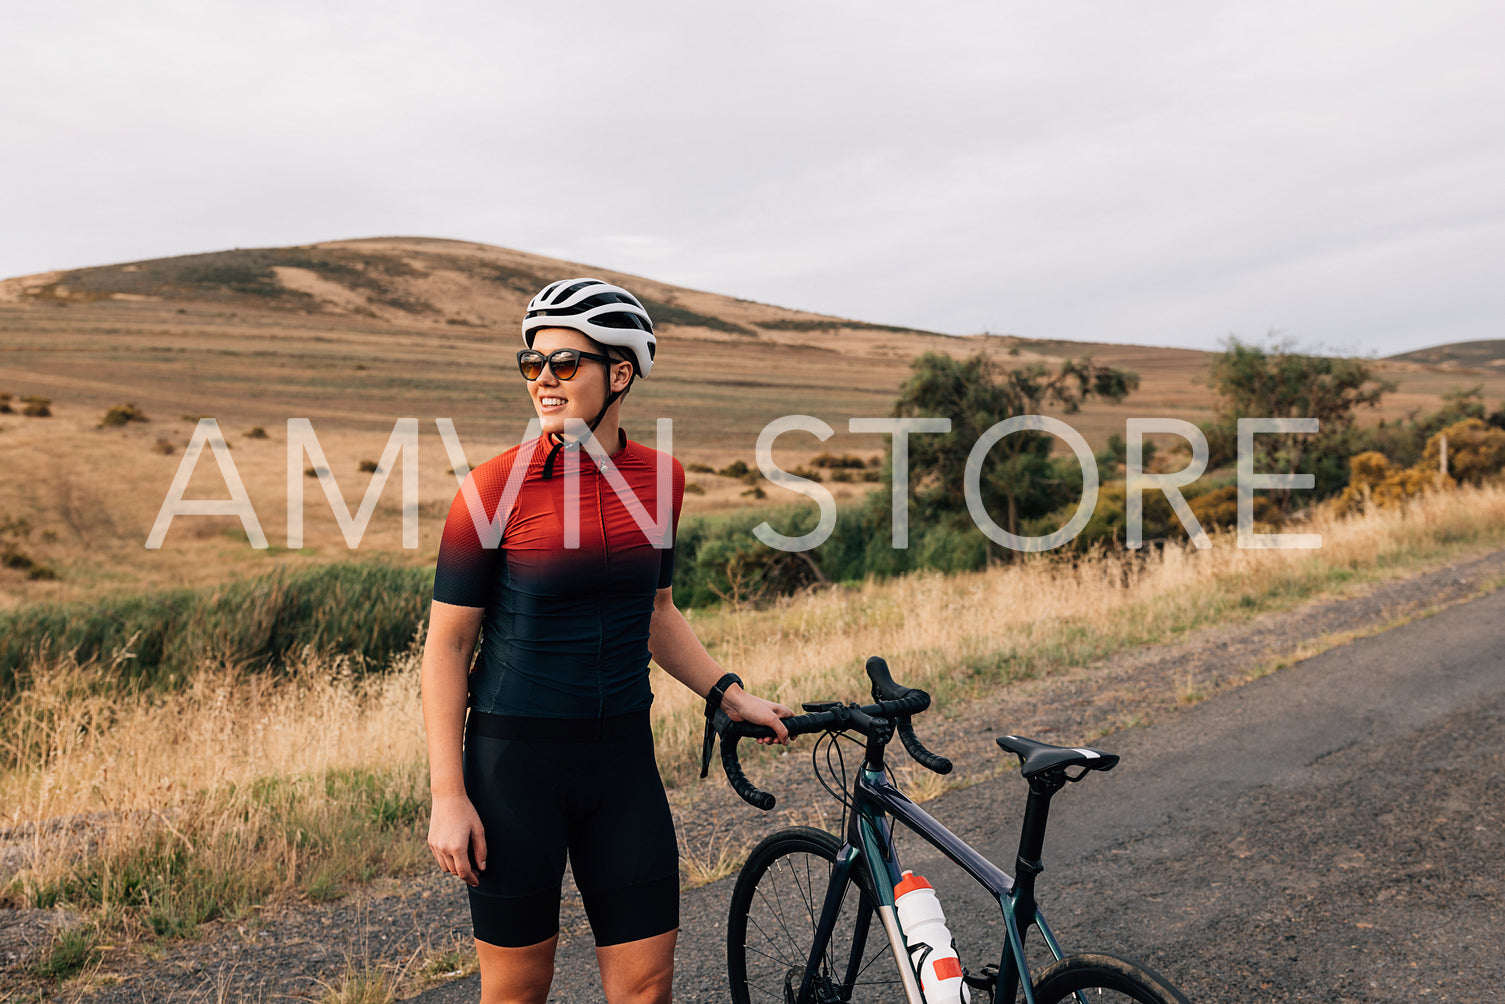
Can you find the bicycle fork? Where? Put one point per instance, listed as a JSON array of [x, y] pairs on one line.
[[841, 876]]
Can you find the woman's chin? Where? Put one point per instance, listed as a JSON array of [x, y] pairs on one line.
[[554, 422]]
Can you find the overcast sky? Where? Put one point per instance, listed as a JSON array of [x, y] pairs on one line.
[[1153, 172]]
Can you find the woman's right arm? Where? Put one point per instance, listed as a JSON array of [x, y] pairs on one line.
[[455, 833]]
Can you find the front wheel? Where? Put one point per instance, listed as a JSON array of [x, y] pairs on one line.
[[775, 910], [1103, 979]]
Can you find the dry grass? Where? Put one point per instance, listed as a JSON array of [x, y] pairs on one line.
[[168, 808], [361, 984], [158, 811]]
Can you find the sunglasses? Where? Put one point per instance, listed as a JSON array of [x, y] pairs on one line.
[[564, 362]]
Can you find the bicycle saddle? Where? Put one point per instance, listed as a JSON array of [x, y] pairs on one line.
[[1036, 757]]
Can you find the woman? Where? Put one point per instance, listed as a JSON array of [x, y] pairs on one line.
[[557, 749]]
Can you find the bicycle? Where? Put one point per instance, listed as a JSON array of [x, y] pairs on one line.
[[800, 929]]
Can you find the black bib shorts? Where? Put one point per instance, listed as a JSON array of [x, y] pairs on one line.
[[589, 788]]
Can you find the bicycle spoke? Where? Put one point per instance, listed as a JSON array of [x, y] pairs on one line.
[[776, 907]]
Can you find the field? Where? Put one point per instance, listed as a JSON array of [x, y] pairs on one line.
[[149, 811], [356, 334]]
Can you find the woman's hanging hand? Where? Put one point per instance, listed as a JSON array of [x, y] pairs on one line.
[[457, 838]]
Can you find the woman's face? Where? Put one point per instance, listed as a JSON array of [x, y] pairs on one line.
[[583, 394]]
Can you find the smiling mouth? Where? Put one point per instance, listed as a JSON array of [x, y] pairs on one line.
[[551, 402]]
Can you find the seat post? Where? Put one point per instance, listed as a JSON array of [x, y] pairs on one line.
[[1032, 841]]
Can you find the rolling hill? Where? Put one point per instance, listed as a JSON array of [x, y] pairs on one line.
[[1488, 356], [409, 281], [354, 334]]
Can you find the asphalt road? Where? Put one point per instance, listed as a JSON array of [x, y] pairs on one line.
[[1332, 832]]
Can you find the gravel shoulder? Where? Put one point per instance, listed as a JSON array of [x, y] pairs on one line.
[[1367, 839]]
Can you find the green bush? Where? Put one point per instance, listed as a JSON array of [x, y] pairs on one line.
[[368, 609], [718, 557]]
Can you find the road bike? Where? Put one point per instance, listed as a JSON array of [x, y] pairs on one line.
[[802, 929]]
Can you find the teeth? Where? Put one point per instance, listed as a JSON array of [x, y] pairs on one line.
[[549, 402]]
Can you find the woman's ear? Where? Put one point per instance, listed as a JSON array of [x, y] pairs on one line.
[[621, 375]]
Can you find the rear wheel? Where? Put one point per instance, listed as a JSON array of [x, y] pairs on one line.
[[1103, 979], [776, 907]]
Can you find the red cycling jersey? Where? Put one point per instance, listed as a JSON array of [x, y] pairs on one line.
[[565, 629]]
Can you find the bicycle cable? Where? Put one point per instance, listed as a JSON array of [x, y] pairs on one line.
[[837, 771]]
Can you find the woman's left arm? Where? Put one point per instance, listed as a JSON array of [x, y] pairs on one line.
[[675, 647]]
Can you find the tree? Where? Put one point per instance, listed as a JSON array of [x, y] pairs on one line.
[[1278, 382], [978, 392]]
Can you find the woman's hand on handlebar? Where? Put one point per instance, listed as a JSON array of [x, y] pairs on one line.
[[457, 838], [740, 706]]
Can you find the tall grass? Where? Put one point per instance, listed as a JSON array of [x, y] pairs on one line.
[[155, 809], [159, 810]]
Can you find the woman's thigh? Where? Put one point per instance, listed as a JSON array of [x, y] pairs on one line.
[[638, 972], [516, 975], [516, 903], [622, 847]]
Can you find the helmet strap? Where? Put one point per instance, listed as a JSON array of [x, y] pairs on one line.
[[559, 442]]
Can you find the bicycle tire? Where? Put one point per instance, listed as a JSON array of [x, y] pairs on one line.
[[775, 908], [1097, 975]]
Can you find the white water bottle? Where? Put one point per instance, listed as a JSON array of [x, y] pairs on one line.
[[931, 951]]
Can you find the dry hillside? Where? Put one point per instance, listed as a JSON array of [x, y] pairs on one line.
[[356, 334], [1488, 356]]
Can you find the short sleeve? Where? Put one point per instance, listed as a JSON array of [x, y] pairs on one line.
[[466, 568]]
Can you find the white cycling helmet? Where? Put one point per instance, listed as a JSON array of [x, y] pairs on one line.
[[599, 310]]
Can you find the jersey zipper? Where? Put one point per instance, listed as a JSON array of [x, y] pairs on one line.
[[601, 624]]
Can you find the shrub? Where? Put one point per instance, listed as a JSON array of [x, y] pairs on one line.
[[122, 414], [1374, 480], [36, 407], [735, 469], [1475, 451], [691, 488], [369, 467], [1218, 508], [164, 446], [256, 432], [846, 460], [699, 469]]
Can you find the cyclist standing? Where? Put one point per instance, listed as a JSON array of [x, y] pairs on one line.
[[555, 755]]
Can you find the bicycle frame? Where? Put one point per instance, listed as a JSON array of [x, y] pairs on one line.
[[869, 840]]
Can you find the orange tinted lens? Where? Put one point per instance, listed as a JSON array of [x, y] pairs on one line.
[[564, 363], [531, 365]]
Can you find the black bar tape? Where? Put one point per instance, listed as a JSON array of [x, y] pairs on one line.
[[750, 792], [921, 755]]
